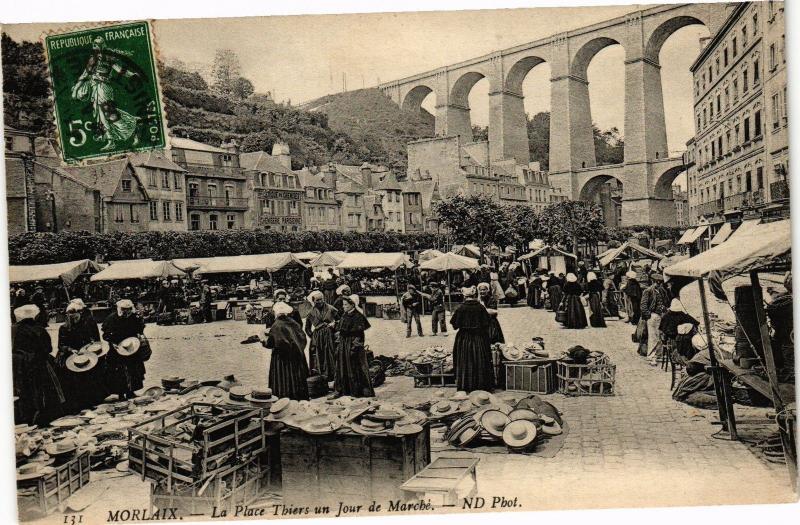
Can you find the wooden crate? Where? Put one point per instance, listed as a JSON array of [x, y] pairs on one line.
[[536, 375], [324, 470], [594, 379], [236, 434], [39, 497], [238, 485], [434, 380]]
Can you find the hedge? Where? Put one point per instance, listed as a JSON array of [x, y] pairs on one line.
[[44, 248]]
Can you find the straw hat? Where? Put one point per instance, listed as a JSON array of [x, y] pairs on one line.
[[407, 429], [443, 408], [368, 426], [512, 353], [81, 362], [519, 434], [494, 421], [480, 398], [129, 346], [551, 429], [280, 409], [630, 274], [320, 425], [467, 435], [261, 397], [238, 393], [33, 470], [60, 448], [571, 278], [525, 414], [685, 328], [172, 382], [459, 396]]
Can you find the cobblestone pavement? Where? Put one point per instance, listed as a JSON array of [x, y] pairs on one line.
[[638, 447]]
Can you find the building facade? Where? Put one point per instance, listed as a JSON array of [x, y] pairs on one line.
[[20, 181], [320, 207], [412, 207], [388, 187], [166, 188], [276, 195], [731, 171], [681, 206], [777, 120], [216, 185]]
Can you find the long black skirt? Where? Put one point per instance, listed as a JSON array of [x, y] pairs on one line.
[[288, 375], [352, 369], [124, 374], [81, 389], [555, 297], [323, 353], [596, 308], [576, 315], [472, 360], [495, 332], [534, 297]]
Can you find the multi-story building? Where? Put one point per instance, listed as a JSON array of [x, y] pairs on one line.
[[349, 192], [412, 207], [166, 190], [390, 191], [730, 168], [373, 208], [681, 206], [320, 207], [20, 181], [276, 196], [777, 134], [216, 184]]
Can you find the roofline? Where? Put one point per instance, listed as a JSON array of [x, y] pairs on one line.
[[717, 37]]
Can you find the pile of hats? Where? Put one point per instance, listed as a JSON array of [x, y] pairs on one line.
[[255, 397], [432, 359], [533, 350], [491, 420]]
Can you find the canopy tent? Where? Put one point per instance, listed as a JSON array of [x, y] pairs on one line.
[[390, 261], [546, 251], [696, 234], [605, 252], [307, 256], [757, 247], [629, 250], [449, 261], [468, 250], [686, 236], [261, 262], [190, 265], [744, 227], [722, 234], [429, 254], [141, 269], [328, 259], [67, 272]]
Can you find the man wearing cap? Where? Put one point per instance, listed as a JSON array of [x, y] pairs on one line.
[[437, 303], [281, 296], [85, 389], [125, 373], [288, 369], [36, 384], [320, 324], [655, 300], [205, 301], [412, 302]]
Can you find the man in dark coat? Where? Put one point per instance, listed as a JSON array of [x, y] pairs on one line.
[[437, 303], [36, 385], [412, 302], [205, 301], [633, 297], [125, 373]]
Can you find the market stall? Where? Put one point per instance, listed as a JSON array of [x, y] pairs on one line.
[[760, 249], [427, 255], [139, 269], [629, 252], [467, 250], [66, 272], [390, 262], [550, 258], [450, 262]]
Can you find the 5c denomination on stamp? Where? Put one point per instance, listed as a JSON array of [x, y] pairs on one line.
[[106, 93]]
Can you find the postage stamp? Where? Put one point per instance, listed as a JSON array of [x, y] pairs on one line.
[[105, 91]]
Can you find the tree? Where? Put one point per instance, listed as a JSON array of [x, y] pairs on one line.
[[241, 88], [480, 134], [520, 225], [471, 219], [609, 146], [570, 222], [26, 87], [539, 138], [225, 71]]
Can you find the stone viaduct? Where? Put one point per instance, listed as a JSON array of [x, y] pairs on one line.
[[647, 172]]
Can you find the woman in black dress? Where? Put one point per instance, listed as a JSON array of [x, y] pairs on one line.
[[595, 290], [125, 373], [81, 389], [535, 291], [490, 303], [352, 369], [288, 368], [555, 291], [633, 297], [472, 356], [320, 323], [576, 315]]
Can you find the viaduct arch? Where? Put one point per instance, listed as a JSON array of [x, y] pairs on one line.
[[647, 169]]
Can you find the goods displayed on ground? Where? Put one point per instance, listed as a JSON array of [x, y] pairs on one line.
[[432, 367], [582, 372]]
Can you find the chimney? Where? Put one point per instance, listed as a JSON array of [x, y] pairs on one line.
[[231, 147], [280, 151], [366, 174], [329, 175]]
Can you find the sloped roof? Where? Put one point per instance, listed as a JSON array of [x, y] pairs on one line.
[[351, 172], [154, 159], [310, 180], [263, 162], [184, 143], [409, 186], [103, 176], [388, 183], [15, 178], [429, 189]]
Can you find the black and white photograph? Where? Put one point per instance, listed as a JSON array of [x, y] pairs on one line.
[[368, 264]]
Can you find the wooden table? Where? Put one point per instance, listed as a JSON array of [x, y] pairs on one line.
[[751, 379]]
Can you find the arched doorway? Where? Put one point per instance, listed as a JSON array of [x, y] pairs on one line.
[[605, 191]]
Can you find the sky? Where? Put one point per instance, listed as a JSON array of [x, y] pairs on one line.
[[300, 58]]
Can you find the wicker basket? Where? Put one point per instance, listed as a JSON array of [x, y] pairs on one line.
[[592, 379]]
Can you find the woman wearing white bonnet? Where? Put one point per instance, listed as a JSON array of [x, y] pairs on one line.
[[576, 315], [288, 368], [595, 290], [319, 326], [125, 373], [81, 389]]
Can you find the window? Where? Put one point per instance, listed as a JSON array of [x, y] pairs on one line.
[[757, 124], [719, 146], [152, 178], [119, 213], [710, 111], [744, 36], [231, 221], [736, 133], [153, 210], [134, 210], [748, 181], [177, 179], [716, 66], [294, 209], [727, 98], [710, 75], [773, 58], [776, 104], [725, 57], [179, 211], [165, 180], [760, 177], [745, 83], [212, 189], [166, 210], [194, 222], [719, 104], [756, 72], [728, 139], [747, 129], [227, 160], [713, 149], [735, 48], [213, 222], [126, 185]]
